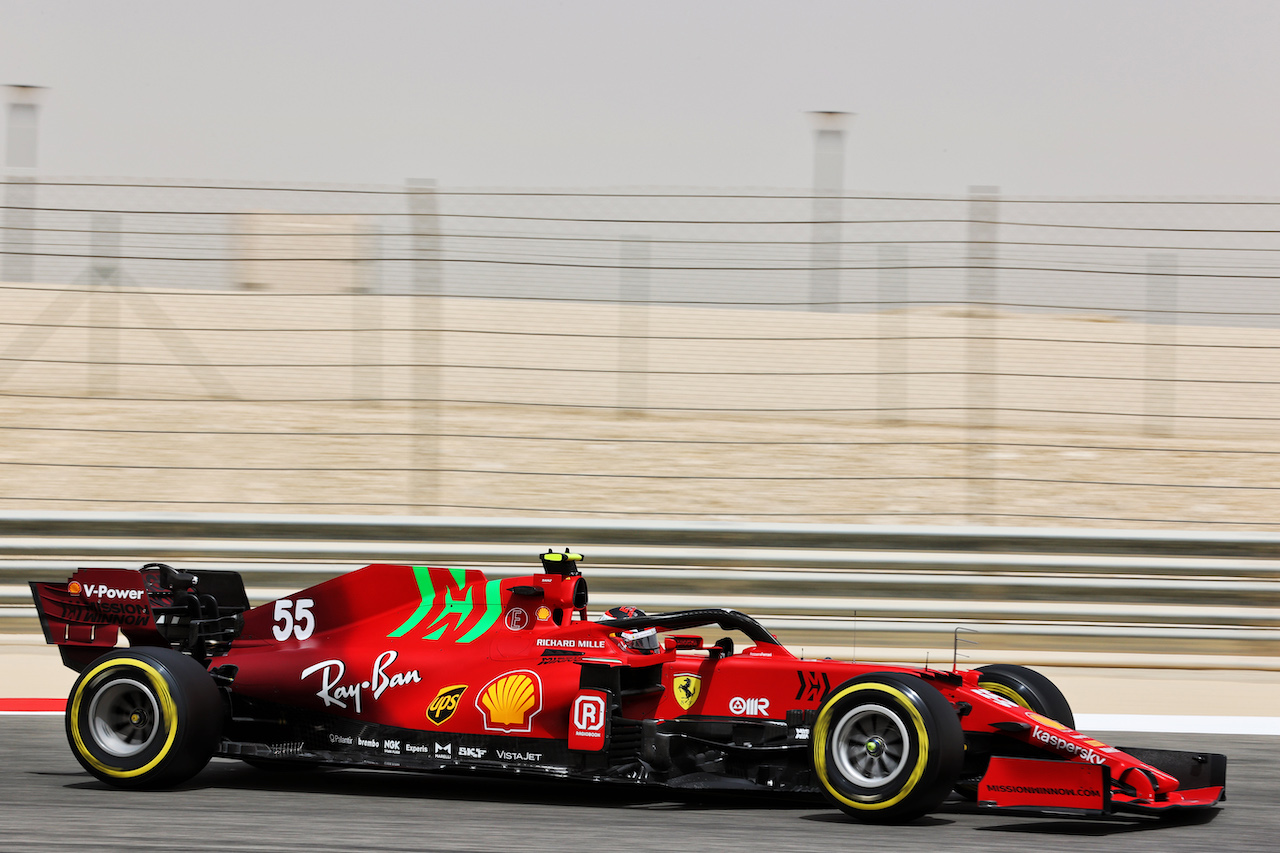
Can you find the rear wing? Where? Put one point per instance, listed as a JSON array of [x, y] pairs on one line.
[[157, 605]]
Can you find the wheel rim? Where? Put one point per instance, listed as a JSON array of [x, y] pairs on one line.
[[1007, 692], [870, 745], [124, 717]]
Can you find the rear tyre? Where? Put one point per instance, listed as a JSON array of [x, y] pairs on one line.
[[1029, 689], [144, 718], [887, 747]]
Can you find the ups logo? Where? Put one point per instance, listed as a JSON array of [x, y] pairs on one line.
[[445, 703]]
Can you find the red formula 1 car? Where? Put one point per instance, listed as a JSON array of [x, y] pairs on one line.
[[445, 670]]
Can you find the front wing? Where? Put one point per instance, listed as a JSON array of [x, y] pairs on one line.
[[1067, 787]]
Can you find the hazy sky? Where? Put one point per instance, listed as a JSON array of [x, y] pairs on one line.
[[1147, 97]]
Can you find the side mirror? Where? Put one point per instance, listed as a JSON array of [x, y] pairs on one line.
[[681, 642]]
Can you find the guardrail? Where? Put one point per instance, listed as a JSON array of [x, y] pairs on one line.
[[1058, 595], [700, 534]]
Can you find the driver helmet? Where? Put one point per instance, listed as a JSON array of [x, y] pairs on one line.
[[624, 612], [643, 640]]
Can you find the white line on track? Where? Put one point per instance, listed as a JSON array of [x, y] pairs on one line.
[[1178, 724]]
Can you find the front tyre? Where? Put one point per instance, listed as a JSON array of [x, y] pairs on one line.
[[1029, 689], [887, 747], [144, 718]]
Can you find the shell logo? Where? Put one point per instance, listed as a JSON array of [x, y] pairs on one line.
[[511, 701]]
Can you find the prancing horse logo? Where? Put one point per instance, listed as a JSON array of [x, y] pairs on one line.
[[687, 689]]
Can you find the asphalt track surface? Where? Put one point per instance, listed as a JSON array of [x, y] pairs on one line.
[[47, 803]]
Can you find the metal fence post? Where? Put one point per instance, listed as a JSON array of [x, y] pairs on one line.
[[1159, 391], [366, 339], [428, 308], [20, 188], [104, 305], [981, 389], [633, 326], [828, 184], [892, 352]]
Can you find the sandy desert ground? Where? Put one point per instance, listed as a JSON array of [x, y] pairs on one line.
[[272, 402]]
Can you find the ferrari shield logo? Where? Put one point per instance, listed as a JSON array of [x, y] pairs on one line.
[[687, 689]]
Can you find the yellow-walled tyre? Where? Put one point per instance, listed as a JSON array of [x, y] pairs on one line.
[[887, 747], [1029, 689], [144, 718]]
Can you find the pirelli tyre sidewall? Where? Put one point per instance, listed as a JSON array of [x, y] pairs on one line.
[[887, 747], [1029, 689], [144, 718]]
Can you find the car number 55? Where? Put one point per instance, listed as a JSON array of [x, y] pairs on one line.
[[293, 618]]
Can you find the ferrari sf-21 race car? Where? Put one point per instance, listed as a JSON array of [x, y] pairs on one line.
[[416, 668]]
